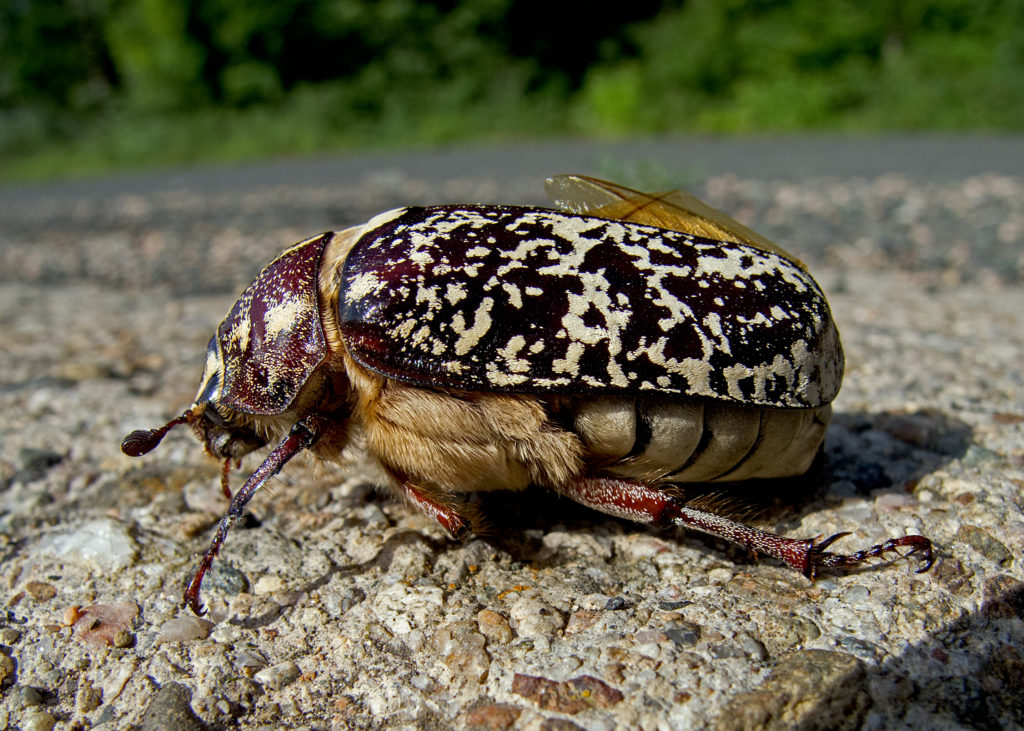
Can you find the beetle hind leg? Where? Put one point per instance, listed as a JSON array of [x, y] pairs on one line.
[[652, 506]]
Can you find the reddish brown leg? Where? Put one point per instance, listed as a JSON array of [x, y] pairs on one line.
[[303, 435], [646, 504], [225, 478], [457, 525]]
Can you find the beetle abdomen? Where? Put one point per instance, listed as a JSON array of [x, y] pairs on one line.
[[698, 440]]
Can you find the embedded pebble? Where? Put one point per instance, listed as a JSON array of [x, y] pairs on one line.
[[493, 626], [278, 676], [101, 544], [183, 629], [534, 619], [6, 667], [985, 544], [106, 624], [492, 717], [169, 710], [41, 591], [571, 696], [248, 659], [38, 721]]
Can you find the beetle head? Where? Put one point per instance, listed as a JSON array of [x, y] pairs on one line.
[[261, 357], [221, 430]]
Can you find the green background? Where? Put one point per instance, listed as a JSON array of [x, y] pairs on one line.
[[94, 85]]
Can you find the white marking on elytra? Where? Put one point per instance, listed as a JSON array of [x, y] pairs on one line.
[[363, 285], [468, 338], [594, 313]]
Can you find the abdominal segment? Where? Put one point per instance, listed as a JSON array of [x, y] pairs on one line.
[[679, 440]]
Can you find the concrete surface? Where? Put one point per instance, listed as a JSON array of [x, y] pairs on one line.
[[333, 608]]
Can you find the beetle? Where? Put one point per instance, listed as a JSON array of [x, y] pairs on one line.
[[609, 350]]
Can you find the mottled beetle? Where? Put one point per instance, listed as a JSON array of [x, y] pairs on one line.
[[607, 351]]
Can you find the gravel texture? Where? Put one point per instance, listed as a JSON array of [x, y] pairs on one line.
[[333, 608]]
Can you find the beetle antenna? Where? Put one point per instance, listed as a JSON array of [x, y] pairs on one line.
[[303, 435], [141, 441]]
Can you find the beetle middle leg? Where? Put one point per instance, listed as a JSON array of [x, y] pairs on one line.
[[434, 506], [649, 505]]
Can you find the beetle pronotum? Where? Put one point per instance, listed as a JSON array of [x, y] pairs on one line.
[[608, 351]]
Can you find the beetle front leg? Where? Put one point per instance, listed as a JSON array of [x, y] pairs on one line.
[[649, 505], [302, 436]]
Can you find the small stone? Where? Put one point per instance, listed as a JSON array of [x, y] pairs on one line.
[[754, 649], [103, 544], [184, 629], [6, 667], [124, 639], [249, 659], [29, 696], [534, 619], [169, 710], [1003, 597], [860, 647], [673, 606], [494, 716], [463, 652], [268, 584], [41, 591], [100, 624], [493, 626], [226, 578], [684, 634], [571, 696], [560, 724], [71, 615], [9, 635], [985, 544], [582, 620], [38, 721], [278, 676], [89, 698], [616, 603], [810, 689], [954, 576]]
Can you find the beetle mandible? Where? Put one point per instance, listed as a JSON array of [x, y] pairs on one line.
[[609, 350]]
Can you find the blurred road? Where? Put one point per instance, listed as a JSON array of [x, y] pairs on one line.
[[924, 158]]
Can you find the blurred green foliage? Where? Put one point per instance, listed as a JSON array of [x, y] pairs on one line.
[[91, 84]]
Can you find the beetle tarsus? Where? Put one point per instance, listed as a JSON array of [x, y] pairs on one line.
[[819, 558], [303, 435]]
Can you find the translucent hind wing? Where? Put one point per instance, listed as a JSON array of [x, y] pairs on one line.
[[676, 210]]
